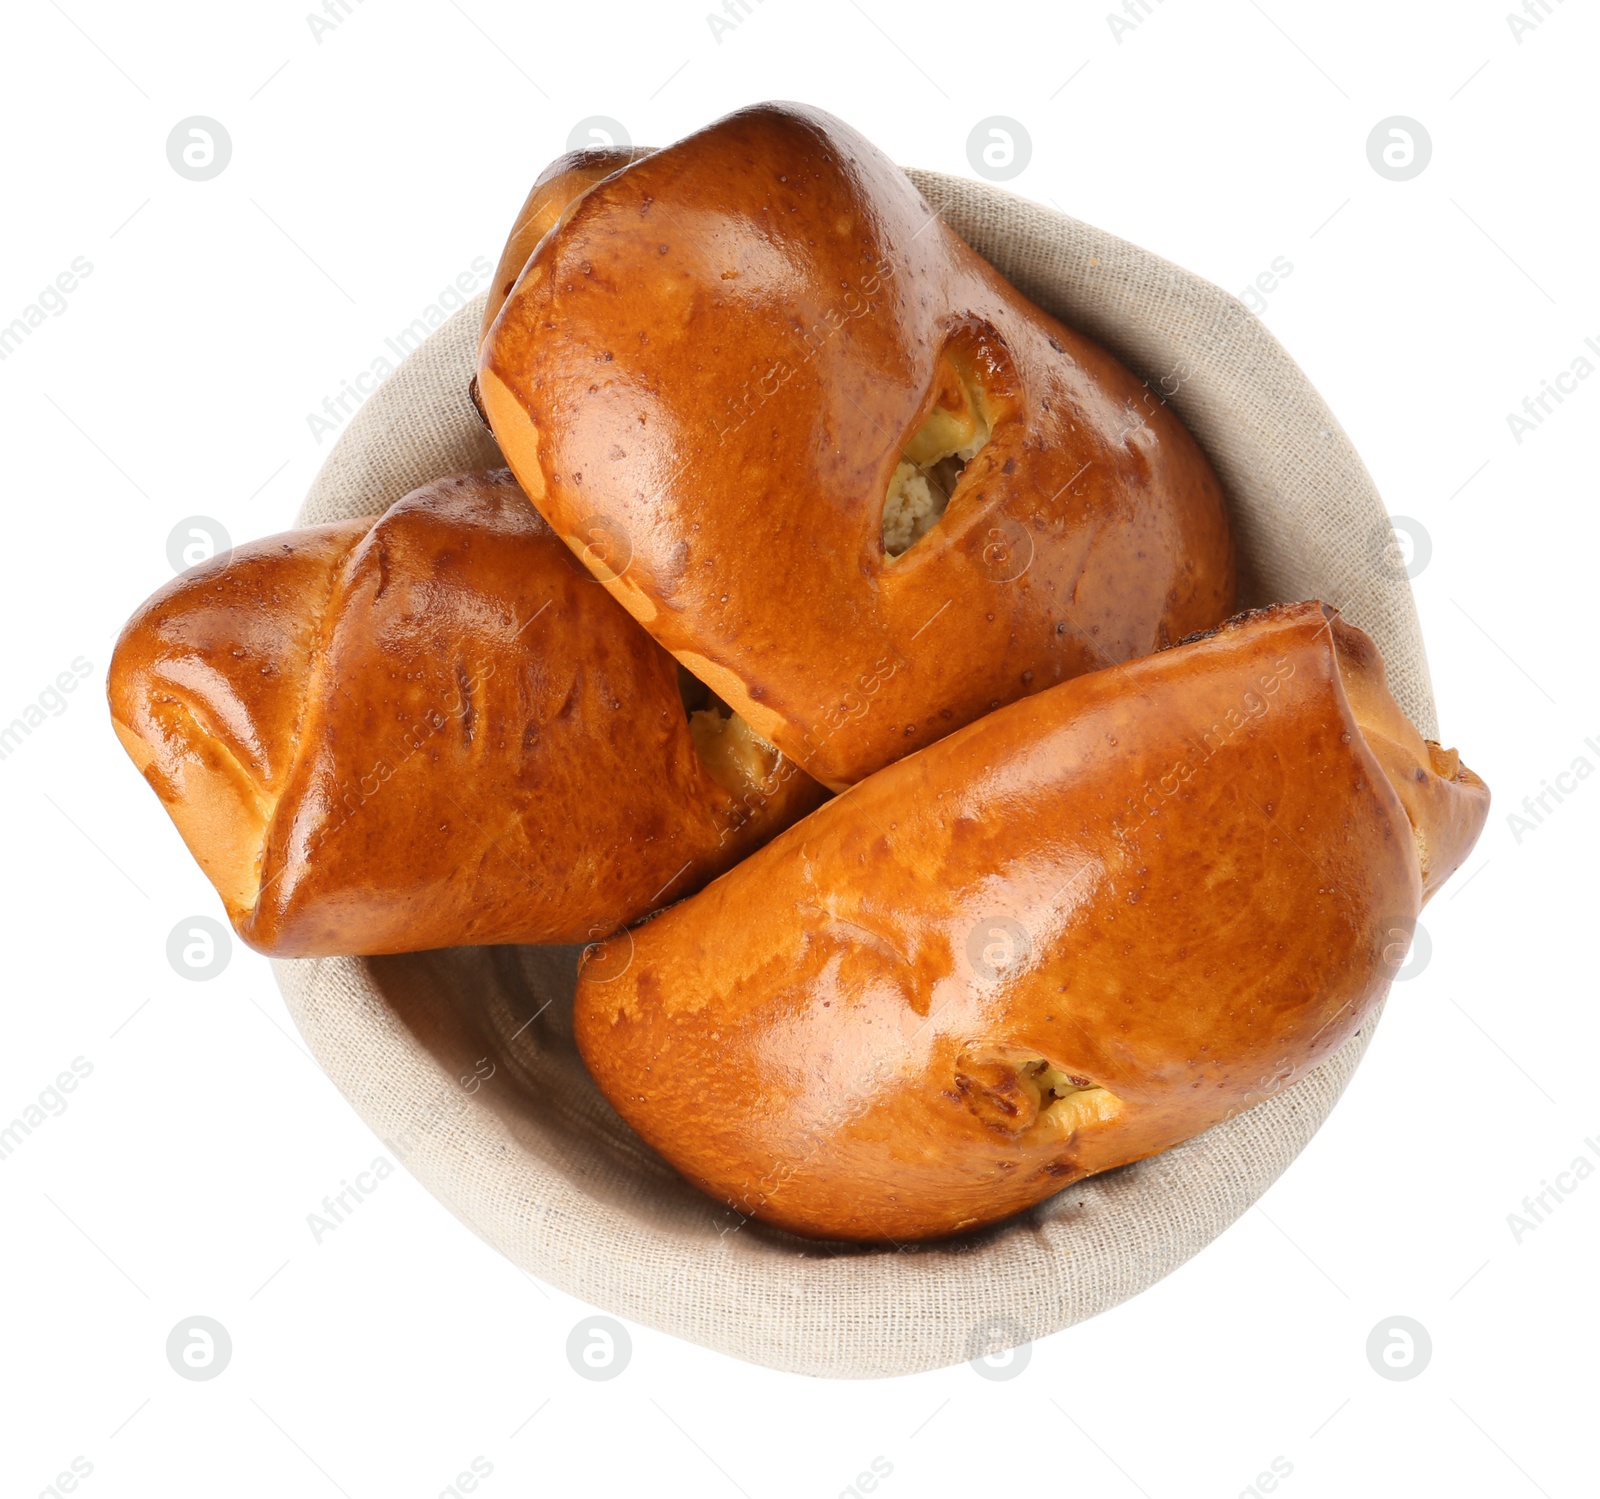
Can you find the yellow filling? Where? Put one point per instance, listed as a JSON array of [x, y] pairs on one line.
[[931, 463], [1066, 1103], [736, 757]]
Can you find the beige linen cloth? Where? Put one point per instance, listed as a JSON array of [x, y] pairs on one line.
[[462, 1061]]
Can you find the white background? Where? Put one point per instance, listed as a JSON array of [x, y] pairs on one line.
[[369, 168]]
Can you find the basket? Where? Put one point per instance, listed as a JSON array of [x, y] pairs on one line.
[[463, 1061]]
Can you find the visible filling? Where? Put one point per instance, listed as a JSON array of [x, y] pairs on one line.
[[932, 462], [1066, 1103], [736, 757]]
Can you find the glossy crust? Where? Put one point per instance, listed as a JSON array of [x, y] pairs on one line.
[[1179, 883], [706, 379], [566, 178], [427, 729]]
